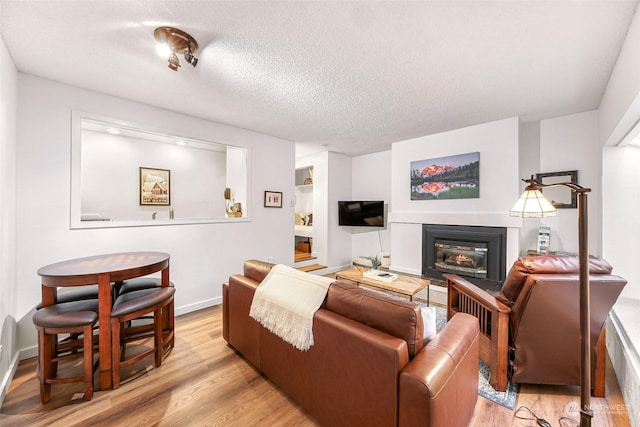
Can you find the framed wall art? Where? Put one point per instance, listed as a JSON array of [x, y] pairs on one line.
[[272, 199], [560, 197], [155, 187], [451, 177]]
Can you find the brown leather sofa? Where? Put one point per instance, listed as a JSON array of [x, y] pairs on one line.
[[530, 329], [369, 365]]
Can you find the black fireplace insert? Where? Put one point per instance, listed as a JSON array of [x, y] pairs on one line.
[[472, 251]]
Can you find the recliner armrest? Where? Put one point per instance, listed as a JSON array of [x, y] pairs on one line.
[[493, 319], [479, 295]]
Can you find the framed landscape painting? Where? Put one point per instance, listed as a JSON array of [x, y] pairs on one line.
[[155, 187], [452, 177]]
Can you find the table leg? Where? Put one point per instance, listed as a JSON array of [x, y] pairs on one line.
[[49, 295], [165, 317], [165, 276], [104, 316]]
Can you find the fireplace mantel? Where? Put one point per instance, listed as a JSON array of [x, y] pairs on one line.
[[487, 219]]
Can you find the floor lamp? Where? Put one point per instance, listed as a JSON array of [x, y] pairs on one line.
[[532, 204]]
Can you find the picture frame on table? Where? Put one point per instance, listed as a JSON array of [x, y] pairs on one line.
[[272, 199]]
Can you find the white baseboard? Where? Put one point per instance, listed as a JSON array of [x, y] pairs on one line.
[[330, 270], [439, 289], [405, 270], [6, 381], [197, 306]]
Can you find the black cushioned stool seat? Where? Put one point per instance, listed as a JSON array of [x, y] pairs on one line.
[[133, 305], [76, 317], [78, 293], [139, 284]]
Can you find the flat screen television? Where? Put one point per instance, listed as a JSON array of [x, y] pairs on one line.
[[361, 213]]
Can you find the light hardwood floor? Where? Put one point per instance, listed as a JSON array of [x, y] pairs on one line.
[[204, 382]]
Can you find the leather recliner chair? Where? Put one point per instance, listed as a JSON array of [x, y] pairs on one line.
[[531, 328]]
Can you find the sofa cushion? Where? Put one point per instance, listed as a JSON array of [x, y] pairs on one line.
[[548, 264], [400, 318]]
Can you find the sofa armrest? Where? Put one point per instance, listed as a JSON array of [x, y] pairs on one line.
[[256, 269], [243, 332], [440, 385], [225, 311]]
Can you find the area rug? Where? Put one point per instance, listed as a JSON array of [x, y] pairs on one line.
[[504, 398]]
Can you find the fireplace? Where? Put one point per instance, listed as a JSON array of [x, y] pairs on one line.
[[472, 251]]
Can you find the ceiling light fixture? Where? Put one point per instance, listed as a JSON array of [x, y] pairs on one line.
[[172, 41]]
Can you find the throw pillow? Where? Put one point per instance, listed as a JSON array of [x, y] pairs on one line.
[[429, 320]]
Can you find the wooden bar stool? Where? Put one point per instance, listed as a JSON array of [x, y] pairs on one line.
[[78, 317], [134, 305], [139, 284]]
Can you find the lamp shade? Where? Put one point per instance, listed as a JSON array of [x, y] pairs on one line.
[[532, 204]]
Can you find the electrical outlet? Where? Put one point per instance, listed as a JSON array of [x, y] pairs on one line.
[[270, 260]]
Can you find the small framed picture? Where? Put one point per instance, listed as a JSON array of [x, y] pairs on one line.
[[155, 187], [272, 199], [559, 197]]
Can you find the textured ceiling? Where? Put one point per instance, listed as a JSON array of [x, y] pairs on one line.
[[350, 77]]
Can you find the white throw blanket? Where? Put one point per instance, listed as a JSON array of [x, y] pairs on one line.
[[286, 301]]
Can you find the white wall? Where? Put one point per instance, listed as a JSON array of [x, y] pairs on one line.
[[110, 178], [529, 164], [621, 231], [620, 105], [371, 180], [8, 284], [202, 255], [621, 220], [497, 143], [619, 112], [571, 143], [339, 185]]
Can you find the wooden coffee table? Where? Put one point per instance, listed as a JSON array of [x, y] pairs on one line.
[[403, 285]]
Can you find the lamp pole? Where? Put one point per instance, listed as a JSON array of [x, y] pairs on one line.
[[541, 208], [586, 414]]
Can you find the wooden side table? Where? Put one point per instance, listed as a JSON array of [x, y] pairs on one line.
[[403, 285]]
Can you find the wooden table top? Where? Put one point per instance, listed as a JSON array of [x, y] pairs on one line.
[[405, 285], [85, 270]]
